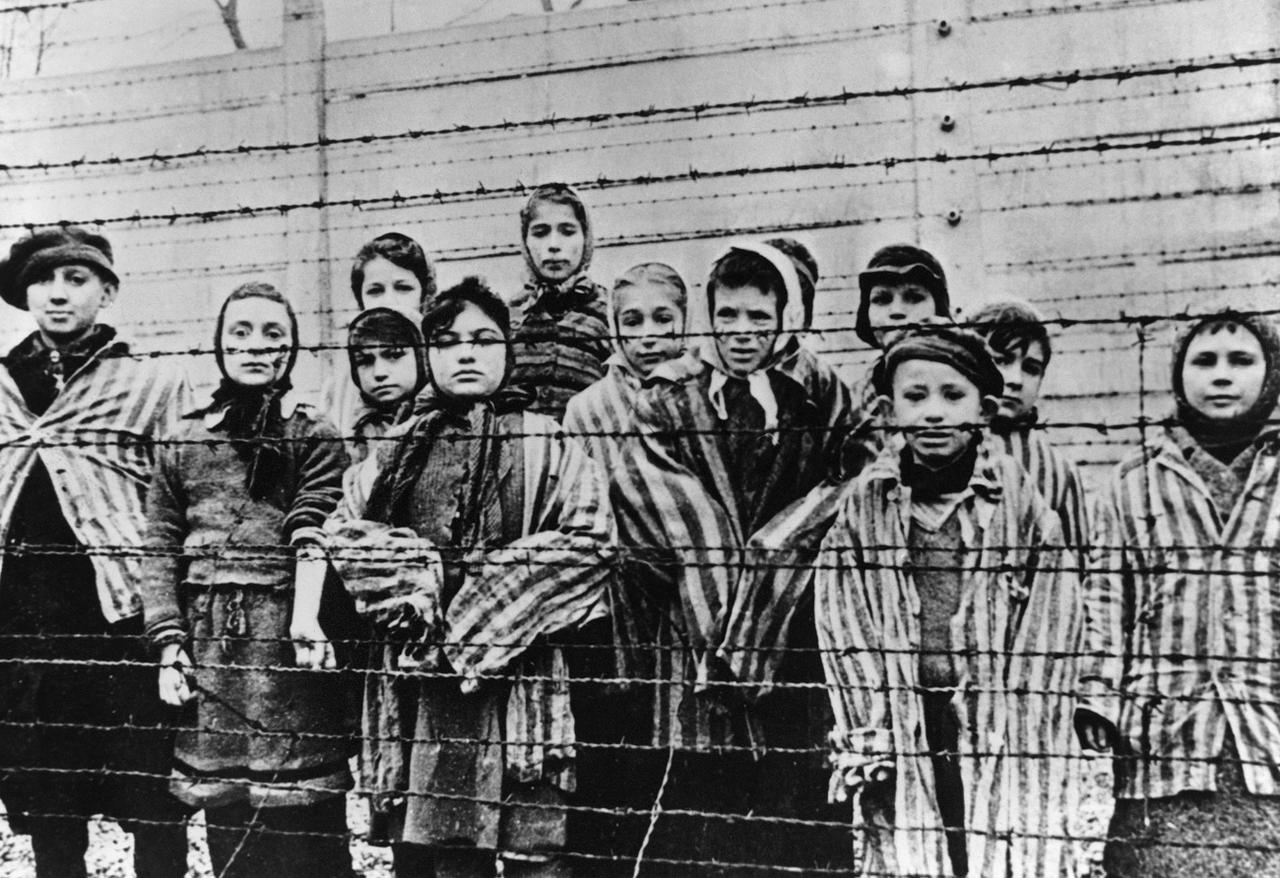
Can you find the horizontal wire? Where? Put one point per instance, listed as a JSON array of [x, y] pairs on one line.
[[701, 110], [601, 183]]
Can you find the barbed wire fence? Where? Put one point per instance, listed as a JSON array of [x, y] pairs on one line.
[[1112, 162]]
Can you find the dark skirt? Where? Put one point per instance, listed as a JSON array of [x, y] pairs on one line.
[[1220, 834], [82, 730], [264, 730], [458, 794]]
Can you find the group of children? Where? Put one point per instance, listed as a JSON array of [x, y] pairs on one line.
[[584, 590]]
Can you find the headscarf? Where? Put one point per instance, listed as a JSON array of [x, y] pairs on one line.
[[1219, 433], [646, 273], [575, 292], [790, 322], [385, 327], [960, 349], [46, 249], [897, 264], [252, 416]]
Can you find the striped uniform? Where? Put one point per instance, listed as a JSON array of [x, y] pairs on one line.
[[97, 441], [1184, 615], [601, 417], [1020, 611], [560, 342], [1057, 477], [681, 503], [551, 578]]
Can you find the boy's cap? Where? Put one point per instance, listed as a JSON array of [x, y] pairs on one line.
[[47, 249], [901, 263], [960, 349]]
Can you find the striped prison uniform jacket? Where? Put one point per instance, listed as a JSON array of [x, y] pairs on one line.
[[677, 511], [97, 440], [782, 554], [1184, 620], [1014, 635], [550, 579], [560, 342]]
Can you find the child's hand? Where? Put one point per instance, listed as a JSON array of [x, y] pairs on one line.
[[311, 648], [174, 664], [1095, 732]]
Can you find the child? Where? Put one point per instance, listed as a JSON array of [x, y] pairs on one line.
[[478, 754], [245, 483], [648, 311], [80, 728], [943, 609], [1017, 336], [390, 271], [1182, 614], [561, 327], [388, 366], [723, 446], [902, 286]]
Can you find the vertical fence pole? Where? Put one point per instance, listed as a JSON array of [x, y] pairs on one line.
[[308, 273]]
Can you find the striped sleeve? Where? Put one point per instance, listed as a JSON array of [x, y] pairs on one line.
[[849, 624], [1107, 593], [549, 579]]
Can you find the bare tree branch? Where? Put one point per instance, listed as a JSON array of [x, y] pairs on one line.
[[231, 18]]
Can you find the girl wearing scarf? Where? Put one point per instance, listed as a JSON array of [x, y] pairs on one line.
[[724, 444], [944, 609], [391, 271], [388, 367], [236, 505], [1182, 679], [561, 334], [500, 537]]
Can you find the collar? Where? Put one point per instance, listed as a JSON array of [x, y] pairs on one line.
[[986, 482], [289, 404]]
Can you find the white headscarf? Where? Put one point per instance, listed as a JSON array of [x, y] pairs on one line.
[[790, 321]]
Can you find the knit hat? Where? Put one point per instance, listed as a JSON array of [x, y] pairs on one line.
[[556, 193], [1215, 431], [46, 249], [964, 351], [898, 264], [385, 327]]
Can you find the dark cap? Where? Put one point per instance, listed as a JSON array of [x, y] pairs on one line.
[[46, 249], [898, 264]]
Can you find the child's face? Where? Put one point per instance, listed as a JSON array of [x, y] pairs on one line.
[[65, 301], [388, 373], [745, 326], [650, 325], [555, 240], [937, 408], [1023, 372], [1223, 371], [256, 337], [387, 285], [469, 358], [892, 307]]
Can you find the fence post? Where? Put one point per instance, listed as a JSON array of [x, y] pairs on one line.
[[307, 268]]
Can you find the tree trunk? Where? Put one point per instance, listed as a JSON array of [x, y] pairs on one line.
[[231, 18]]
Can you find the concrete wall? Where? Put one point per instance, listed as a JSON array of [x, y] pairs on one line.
[[1135, 189]]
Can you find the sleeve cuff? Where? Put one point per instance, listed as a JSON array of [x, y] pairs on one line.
[[167, 637]]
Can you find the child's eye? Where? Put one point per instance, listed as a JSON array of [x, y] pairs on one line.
[[914, 396], [393, 353], [486, 341], [569, 229], [1035, 370], [1240, 358], [539, 230], [881, 299], [631, 320], [363, 360], [1204, 361], [446, 340], [914, 296]]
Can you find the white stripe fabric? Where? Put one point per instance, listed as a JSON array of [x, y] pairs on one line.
[[97, 440], [1184, 607], [1015, 632]]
